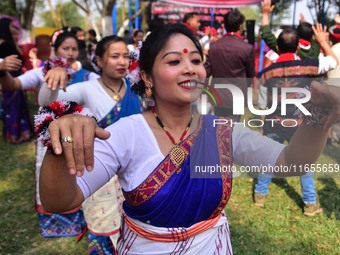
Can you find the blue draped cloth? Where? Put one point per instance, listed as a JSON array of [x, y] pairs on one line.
[[183, 200], [128, 105], [79, 76]]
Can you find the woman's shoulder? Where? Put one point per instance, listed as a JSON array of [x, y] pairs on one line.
[[84, 84], [134, 121]]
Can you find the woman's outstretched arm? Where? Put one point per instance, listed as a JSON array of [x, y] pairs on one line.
[[58, 187]]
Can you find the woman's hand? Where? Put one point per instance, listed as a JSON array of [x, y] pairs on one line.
[[327, 95], [10, 63], [56, 77], [73, 136]]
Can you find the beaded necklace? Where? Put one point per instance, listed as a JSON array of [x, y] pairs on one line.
[[167, 131]]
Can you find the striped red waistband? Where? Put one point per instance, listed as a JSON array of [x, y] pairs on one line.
[[175, 234]]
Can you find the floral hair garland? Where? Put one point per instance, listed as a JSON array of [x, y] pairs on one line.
[[59, 62], [134, 69], [57, 33], [53, 111], [55, 36]]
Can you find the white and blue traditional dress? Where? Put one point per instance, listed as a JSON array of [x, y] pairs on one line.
[[53, 225], [173, 203], [102, 210]]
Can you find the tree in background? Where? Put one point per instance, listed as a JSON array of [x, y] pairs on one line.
[[282, 5], [64, 14], [323, 6], [316, 8], [89, 15], [104, 8], [24, 11]]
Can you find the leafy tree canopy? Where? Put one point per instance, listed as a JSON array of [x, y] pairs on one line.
[[68, 15], [23, 9]]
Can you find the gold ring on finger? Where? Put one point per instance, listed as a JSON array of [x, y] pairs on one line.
[[67, 139]]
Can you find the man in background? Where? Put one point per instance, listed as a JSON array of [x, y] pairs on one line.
[[232, 59], [191, 21]]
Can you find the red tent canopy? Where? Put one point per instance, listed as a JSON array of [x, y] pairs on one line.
[[214, 3]]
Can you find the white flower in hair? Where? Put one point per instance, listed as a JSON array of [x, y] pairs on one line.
[[134, 69]]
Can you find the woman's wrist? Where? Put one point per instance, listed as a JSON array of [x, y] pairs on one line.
[[318, 113], [59, 62], [51, 112]]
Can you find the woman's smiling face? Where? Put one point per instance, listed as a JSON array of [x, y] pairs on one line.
[[176, 68]]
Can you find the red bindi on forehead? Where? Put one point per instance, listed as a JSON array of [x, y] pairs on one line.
[[185, 50]]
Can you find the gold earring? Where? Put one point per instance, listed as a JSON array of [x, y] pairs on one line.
[[148, 92]]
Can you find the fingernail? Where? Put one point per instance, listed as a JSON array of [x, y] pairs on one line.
[[79, 173], [89, 168], [72, 171], [57, 150]]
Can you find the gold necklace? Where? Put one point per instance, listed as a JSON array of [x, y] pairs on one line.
[[116, 95], [177, 154]]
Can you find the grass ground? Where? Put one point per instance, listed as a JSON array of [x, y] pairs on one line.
[[279, 228]]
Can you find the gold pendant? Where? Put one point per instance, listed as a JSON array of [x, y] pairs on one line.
[[116, 97], [178, 156]]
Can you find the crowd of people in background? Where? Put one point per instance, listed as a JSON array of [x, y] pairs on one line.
[[17, 126], [96, 78]]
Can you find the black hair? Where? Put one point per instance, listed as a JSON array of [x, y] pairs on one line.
[[62, 37], [103, 45], [6, 35], [76, 29], [154, 43], [233, 20], [92, 32], [188, 16], [305, 31], [336, 31], [135, 33], [288, 41]]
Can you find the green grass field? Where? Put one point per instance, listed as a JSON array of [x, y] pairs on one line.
[[279, 228]]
